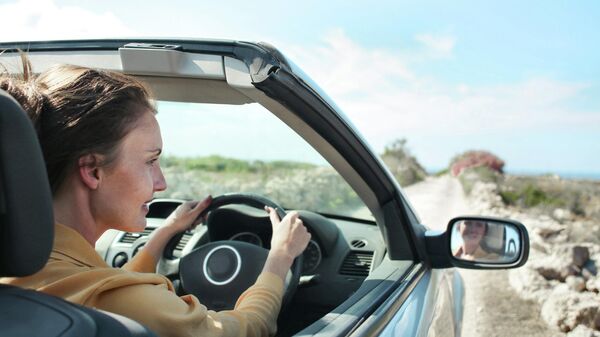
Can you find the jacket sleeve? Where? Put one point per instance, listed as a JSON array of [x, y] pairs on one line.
[[160, 309], [142, 262]]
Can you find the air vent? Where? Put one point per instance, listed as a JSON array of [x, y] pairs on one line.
[[182, 243], [357, 264], [131, 237], [358, 243]]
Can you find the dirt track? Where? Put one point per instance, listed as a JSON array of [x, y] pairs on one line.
[[492, 308]]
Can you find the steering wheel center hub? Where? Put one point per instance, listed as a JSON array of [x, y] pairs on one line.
[[222, 264]]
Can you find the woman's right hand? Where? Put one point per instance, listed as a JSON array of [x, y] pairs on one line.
[[289, 240], [184, 217]]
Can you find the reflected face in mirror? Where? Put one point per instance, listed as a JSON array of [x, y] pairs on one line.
[[484, 241], [472, 231]]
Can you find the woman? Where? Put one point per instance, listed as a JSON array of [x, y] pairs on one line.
[[101, 144], [472, 233]]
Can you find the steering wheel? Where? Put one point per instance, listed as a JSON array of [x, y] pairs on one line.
[[217, 273]]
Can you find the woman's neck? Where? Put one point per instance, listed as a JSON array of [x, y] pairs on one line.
[[72, 209], [470, 248]]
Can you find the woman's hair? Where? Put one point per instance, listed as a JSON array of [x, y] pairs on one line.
[[77, 111]]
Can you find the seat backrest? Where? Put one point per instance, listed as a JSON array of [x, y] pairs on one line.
[[26, 220], [26, 237]]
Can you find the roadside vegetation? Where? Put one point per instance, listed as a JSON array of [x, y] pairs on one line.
[[545, 194], [293, 184], [549, 193], [402, 164]]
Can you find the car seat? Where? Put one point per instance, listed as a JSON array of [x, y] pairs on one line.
[[26, 237]]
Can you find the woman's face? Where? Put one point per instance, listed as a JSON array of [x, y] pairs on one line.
[[128, 184], [472, 231]]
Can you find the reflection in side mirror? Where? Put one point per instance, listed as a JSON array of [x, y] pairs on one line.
[[485, 241]]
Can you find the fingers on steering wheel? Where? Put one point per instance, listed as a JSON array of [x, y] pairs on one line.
[[196, 209], [200, 206], [273, 215]]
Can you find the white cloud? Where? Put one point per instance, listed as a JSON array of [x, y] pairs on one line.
[[439, 45], [45, 20], [386, 99], [345, 68]]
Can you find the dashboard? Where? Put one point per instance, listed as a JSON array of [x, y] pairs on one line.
[[341, 253]]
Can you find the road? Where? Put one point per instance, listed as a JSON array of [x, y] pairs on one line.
[[492, 308], [437, 200]]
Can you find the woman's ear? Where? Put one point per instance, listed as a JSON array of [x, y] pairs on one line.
[[88, 171]]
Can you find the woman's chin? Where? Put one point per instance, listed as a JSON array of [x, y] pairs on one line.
[[136, 226], [141, 225]]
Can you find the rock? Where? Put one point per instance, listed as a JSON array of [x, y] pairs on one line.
[[485, 196], [565, 260], [589, 269], [529, 284], [561, 288], [576, 283], [593, 284], [549, 232], [579, 255], [554, 267], [583, 331], [540, 246], [562, 214], [568, 310]]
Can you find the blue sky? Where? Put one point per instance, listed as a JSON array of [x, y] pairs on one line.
[[521, 79]]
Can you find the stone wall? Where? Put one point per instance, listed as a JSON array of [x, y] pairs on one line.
[[561, 273]]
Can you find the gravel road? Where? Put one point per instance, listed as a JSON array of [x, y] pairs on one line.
[[492, 308]]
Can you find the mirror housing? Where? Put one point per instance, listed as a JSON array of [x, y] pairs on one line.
[[478, 242]]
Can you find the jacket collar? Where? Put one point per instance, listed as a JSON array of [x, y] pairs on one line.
[[69, 244]]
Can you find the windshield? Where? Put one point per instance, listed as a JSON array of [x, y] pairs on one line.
[[215, 149]]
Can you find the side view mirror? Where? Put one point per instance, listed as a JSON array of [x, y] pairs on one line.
[[479, 243]]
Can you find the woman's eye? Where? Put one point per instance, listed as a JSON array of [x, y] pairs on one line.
[[152, 161]]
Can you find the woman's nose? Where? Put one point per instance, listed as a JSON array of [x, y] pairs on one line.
[[160, 184]]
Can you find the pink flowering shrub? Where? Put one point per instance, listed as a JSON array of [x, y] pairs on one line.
[[474, 159]]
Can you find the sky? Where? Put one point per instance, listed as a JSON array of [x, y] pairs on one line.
[[520, 79]]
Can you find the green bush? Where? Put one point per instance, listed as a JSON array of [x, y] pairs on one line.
[[529, 196], [471, 175]]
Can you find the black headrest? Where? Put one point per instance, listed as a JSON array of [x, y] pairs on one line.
[[26, 219]]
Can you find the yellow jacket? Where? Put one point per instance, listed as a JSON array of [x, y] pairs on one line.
[[78, 274], [479, 255]]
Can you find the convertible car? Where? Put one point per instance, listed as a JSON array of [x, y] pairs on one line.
[[240, 121]]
